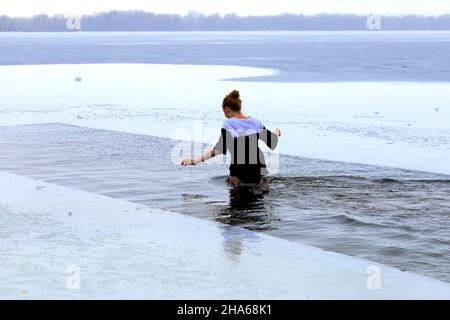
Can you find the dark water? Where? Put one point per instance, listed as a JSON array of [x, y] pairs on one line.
[[299, 56], [392, 216]]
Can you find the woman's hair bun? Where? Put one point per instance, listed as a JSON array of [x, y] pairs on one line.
[[232, 101], [234, 94]]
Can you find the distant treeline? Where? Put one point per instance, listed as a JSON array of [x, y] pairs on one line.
[[146, 21]]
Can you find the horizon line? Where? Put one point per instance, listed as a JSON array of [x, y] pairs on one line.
[[193, 12]]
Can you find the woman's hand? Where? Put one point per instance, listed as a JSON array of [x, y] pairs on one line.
[[277, 132], [188, 162], [192, 162]]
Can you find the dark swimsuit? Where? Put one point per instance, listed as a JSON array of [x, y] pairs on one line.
[[247, 159]]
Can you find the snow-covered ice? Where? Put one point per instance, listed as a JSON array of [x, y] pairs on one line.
[[397, 124]]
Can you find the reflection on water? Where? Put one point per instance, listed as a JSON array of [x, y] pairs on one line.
[[392, 216], [247, 208], [234, 238]]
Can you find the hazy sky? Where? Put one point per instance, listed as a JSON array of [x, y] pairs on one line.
[[241, 7]]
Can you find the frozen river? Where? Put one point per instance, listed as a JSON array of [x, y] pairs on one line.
[[361, 169]]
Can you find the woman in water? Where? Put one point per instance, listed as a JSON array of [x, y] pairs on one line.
[[239, 136]]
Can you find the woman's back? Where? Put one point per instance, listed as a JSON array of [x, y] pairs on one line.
[[240, 138]]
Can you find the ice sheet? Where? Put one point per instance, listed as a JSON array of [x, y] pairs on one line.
[[59, 242], [396, 124]]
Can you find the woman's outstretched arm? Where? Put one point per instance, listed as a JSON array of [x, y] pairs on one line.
[[210, 153], [219, 148]]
